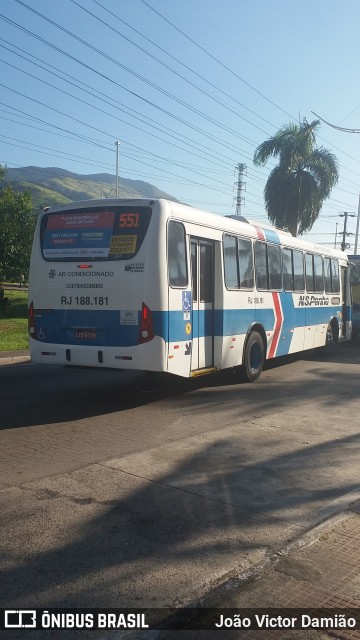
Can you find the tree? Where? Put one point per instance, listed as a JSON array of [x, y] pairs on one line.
[[297, 187], [17, 223]]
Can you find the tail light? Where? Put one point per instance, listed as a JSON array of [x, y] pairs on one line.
[[146, 324], [31, 320]]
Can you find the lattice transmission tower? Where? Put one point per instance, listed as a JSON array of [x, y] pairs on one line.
[[239, 199]]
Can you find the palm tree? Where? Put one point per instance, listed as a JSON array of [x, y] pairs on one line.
[[303, 179]]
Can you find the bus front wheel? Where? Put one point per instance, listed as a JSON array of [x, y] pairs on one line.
[[254, 357]]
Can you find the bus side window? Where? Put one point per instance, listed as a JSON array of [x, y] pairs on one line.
[[335, 279], [246, 264], [319, 274], [261, 268], [293, 270], [274, 262], [298, 264], [178, 276], [309, 273], [288, 279], [194, 277], [327, 273], [231, 263], [268, 266], [332, 279]]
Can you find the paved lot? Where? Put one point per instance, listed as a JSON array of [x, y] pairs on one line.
[[225, 478]]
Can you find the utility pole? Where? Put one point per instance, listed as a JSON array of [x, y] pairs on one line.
[[336, 232], [357, 228], [240, 185], [117, 144], [346, 215], [358, 213]]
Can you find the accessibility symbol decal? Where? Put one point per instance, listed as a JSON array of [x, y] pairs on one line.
[[186, 304]]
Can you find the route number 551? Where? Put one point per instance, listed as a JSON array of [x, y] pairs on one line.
[[129, 220]]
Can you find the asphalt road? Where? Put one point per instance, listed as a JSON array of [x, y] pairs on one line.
[[121, 489]]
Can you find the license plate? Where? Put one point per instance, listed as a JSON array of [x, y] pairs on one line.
[[85, 334]]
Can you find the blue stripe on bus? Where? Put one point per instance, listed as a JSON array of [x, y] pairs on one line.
[[59, 326], [271, 236]]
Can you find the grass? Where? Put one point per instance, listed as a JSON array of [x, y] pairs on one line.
[[13, 325]]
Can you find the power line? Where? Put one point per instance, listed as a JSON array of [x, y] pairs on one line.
[[75, 97], [59, 89], [81, 122], [168, 53], [167, 66], [182, 121], [104, 98], [99, 109], [217, 60], [137, 75], [177, 99], [192, 182], [161, 128]]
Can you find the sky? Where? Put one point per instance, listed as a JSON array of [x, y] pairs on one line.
[[189, 90]]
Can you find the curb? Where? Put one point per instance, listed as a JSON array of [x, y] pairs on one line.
[[339, 511], [14, 360], [328, 517]]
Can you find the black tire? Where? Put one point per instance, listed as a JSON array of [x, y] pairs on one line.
[[254, 357], [330, 340]]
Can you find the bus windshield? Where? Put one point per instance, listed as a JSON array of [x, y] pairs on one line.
[[96, 233]]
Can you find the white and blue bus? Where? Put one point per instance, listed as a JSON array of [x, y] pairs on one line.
[[154, 285], [355, 292]]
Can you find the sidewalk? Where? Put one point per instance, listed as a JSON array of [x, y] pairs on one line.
[[320, 571], [324, 574]]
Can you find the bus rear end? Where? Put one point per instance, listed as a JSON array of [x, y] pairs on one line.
[[91, 271]]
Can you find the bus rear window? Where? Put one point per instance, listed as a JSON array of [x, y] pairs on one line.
[[97, 233]]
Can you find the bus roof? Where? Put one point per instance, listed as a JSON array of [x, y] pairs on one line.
[[230, 223]]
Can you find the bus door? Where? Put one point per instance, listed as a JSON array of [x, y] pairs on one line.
[[202, 267], [179, 301], [345, 301]]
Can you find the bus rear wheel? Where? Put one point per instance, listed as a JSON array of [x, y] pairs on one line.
[[254, 356], [330, 340]]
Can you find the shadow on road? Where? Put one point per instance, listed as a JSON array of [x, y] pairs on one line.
[[144, 545], [66, 395], [145, 535]]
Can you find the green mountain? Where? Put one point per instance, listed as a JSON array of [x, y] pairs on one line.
[[51, 186]]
